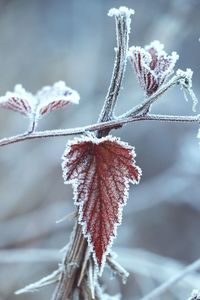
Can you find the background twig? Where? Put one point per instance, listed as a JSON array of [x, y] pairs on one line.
[[165, 286]]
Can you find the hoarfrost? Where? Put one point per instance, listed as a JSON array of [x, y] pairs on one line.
[[56, 96], [105, 168], [46, 100], [186, 86], [152, 65], [121, 11]]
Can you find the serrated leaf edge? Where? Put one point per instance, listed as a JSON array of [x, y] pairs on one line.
[[74, 183]]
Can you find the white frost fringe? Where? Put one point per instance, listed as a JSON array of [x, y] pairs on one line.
[[186, 86], [74, 183], [122, 12]]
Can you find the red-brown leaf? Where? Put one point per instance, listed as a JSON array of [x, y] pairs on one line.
[[19, 100], [48, 99], [55, 97], [100, 171], [16, 104]]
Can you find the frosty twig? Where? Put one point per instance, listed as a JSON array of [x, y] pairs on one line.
[[123, 21], [179, 79], [166, 285], [97, 126]]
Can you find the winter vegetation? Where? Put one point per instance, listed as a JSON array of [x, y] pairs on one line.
[[100, 167]]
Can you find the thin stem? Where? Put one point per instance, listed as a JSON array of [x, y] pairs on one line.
[[47, 280], [166, 285], [32, 126], [98, 126], [122, 18], [168, 118], [117, 268], [145, 105]]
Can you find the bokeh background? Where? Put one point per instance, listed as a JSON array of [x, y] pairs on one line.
[[42, 42]]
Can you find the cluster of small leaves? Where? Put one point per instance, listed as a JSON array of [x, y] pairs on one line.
[[46, 100], [152, 65]]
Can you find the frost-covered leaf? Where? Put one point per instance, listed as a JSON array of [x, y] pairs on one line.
[[195, 295], [100, 171], [19, 100], [46, 100], [152, 65], [55, 97]]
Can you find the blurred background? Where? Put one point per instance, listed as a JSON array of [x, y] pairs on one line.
[[42, 42]]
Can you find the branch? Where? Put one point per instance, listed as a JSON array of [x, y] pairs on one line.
[[123, 21], [98, 126], [71, 265], [47, 280], [145, 105], [166, 285], [167, 118], [138, 113], [117, 268]]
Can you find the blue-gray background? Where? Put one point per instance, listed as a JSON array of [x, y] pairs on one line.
[[45, 41]]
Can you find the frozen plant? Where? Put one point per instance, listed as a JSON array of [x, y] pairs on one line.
[[152, 65], [99, 166]]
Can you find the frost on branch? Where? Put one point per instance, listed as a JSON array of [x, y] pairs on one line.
[[186, 86], [122, 12], [152, 65], [100, 171], [46, 100]]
